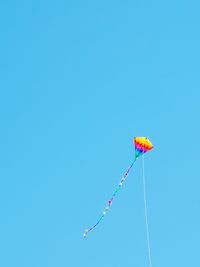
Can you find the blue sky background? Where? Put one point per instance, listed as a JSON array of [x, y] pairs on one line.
[[80, 79]]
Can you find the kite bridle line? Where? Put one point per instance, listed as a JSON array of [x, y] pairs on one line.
[[110, 201]]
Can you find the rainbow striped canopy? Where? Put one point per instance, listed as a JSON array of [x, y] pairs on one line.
[[142, 145]]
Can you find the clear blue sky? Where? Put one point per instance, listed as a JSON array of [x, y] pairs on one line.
[[80, 79]]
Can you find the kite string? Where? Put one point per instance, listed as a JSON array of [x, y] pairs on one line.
[[146, 214]]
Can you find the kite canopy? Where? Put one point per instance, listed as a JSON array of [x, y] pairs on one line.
[[142, 145]]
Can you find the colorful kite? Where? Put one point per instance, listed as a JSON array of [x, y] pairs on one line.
[[142, 145]]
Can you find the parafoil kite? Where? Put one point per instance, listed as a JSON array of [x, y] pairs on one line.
[[142, 145]]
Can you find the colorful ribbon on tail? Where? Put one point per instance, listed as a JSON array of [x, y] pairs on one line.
[[110, 201], [142, 145]]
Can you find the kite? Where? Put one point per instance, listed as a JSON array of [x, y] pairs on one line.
[[142, 145]]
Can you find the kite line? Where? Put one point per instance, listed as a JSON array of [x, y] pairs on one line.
[[146, 213]]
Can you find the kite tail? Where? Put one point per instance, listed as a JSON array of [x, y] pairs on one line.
[[110, 201]]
